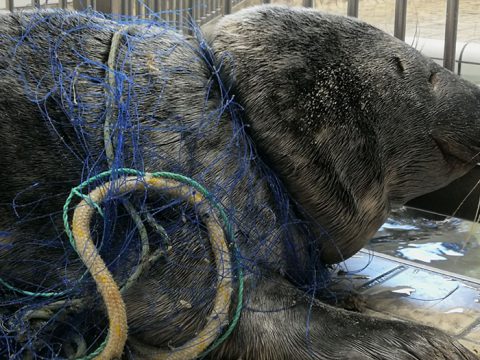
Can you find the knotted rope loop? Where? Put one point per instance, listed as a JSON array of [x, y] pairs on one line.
[[195, 195]]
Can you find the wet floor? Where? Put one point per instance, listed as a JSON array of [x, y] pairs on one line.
[[390, 288], [449, 244]]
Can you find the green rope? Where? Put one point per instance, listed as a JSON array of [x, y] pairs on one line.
[[90, 202], [197, 186], [33, 294], [77, 191]]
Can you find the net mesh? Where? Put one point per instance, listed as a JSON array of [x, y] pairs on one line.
[[73, 104]]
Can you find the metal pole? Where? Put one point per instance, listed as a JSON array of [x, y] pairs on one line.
[[195, 11], [266, 1], [161, 9], [114, 6], [179, 12], [174, 15], [166, 9], [308, 3], [202, 15], [124, 6], [190, 16], [10, 5], [352, 9], [130, 7], [227, 7], [451, 34], [190, 5], [400, 19], [139, 9], [63, 4]]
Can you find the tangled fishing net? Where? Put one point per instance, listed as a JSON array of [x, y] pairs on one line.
[[111, 107]]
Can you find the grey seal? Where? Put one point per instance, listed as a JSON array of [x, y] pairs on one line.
[[326, 123]]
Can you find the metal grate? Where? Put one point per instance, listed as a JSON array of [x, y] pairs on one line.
[[25, 4], [172, 11], [176, 11]]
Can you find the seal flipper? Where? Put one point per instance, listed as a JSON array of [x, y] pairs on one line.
[[281, 322]]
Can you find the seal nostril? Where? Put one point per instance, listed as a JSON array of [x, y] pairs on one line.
[[398, 62], [433, 78]]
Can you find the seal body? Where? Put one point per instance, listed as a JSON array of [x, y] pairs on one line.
[[307, 127]]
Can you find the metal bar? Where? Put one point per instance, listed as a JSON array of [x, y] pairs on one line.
[[189, 17], [203, 11], [179, 14], [400, 19], [195, 11], [212, 10], [161, 9], [63, 4], [451, 34], [10, 5], [147, 8], [190, 5], [308, 3], [164, 10], [124, 7], [173, 14], [115, 8], [139, 9], [130, 7], [227, 7], [266, 1], [415, 265], [352, 8]]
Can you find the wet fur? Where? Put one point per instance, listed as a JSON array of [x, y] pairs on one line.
[[351, 120]]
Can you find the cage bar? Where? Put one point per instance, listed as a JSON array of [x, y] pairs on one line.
[[352, 8], [400, 19], [227, 7], [451, 34]]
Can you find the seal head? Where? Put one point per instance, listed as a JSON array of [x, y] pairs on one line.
[[353, 120]]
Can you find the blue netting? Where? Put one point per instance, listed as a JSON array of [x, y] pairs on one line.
[[169, 111]]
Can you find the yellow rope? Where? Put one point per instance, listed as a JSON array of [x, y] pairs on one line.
[[109, 290]]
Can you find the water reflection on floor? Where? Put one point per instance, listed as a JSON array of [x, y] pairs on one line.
[[449, 244]]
